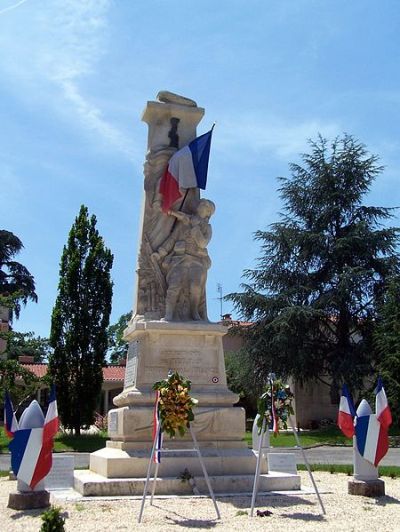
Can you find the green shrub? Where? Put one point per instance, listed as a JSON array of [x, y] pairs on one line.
[[53, 521]]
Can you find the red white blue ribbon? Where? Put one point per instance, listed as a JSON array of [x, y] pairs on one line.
[[157, 432], [275, 419]]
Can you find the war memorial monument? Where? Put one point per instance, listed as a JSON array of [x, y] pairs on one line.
[[170, 331]]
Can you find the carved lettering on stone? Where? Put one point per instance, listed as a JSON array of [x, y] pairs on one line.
[[131, 364], [113, 422]]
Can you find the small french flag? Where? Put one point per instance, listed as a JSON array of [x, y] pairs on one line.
[[346, 413], [10, 421], [382, 409], [50, 428]]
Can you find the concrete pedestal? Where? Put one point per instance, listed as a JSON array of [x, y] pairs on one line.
[[367, 488], [28, 500]]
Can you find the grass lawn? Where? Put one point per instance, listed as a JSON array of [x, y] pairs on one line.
[[92, 442], [86, 443], [328, 436]]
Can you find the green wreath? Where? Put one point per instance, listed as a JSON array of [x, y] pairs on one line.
[[175, 404], [283, 399]]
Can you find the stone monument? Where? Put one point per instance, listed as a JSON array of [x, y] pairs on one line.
[[170, 330]]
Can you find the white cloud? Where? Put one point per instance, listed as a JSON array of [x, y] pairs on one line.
[[281, 137], [59, 52], [11, 7]]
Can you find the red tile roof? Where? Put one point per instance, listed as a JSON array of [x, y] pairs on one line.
[[114, 373], [39, 370], [110, 373]]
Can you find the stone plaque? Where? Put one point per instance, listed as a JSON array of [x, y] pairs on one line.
[[61, 474], [131, 364], [113, 422], [282, 463], [189, 363]]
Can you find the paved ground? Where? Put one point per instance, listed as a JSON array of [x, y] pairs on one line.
[[337, 455], [316, 455]]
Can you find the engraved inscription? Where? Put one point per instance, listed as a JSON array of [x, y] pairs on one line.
[[131, 364], [113, 422], [190, 364], [61, 475]]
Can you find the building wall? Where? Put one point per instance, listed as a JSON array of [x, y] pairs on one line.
[[313, 403]]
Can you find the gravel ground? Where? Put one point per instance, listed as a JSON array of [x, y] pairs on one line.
[[344, 512]]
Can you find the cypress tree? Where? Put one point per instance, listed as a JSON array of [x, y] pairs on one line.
[[79, 323]]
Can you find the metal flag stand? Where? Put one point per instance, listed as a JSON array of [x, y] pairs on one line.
[[271, 378], [166, 451]]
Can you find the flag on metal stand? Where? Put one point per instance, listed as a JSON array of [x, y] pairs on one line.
[[186, 169]]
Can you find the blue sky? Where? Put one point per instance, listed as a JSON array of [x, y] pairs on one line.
[[75, 76]]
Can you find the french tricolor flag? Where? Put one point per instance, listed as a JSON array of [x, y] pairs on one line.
[[347, 413], [32, 445], [187, 168], [382, 409], [50, 429], [10, 421]]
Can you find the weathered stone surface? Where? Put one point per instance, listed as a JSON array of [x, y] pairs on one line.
[[282, 463], [117, 463], [194, 349], [28, 500], [92, 484], [172, 126], [367, 488], [61, 475], [171, 97]]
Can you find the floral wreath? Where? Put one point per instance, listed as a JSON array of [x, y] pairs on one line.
[[175, 404], [282, 405]]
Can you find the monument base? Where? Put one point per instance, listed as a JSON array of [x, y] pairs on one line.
[[194, 350], [28, 500], [92, 484], [367, 488]]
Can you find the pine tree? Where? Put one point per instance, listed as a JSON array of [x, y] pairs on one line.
[[17, 285], [313, 296], [387, 339], [79, 323]]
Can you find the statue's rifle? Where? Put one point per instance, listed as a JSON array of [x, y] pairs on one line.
[[156, 267]]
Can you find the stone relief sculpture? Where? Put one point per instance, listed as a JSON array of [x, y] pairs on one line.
[[173, 259], [184, 259]]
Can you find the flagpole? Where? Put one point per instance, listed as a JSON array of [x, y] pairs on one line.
[[258, 466], [148, 474]]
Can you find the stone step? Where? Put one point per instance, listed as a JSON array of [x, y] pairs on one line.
[[89, 483], [116, 463]]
